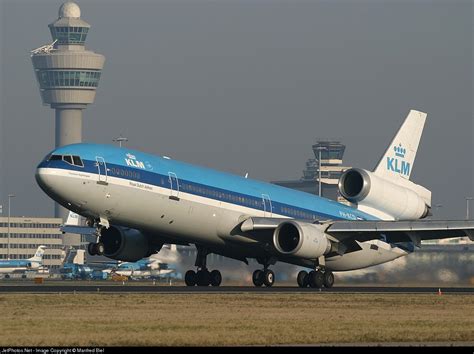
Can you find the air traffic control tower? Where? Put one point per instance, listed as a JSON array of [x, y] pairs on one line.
[[68, 75]]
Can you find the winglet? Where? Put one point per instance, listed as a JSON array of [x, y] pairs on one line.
[[400, 155]]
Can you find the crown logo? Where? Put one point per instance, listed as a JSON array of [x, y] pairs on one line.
[[130, 156], [399, 151]]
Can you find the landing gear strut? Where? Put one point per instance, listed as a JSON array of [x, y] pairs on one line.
[[316, 278], [202, 277], [96, 248]]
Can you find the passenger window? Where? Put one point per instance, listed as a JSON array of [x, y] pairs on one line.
[[77, 161], [68, 159]]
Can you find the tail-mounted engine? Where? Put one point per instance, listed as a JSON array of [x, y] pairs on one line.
[[404, 201]]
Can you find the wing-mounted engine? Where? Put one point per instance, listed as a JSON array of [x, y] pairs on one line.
[[125, 244], [401, 199], [302, 240]]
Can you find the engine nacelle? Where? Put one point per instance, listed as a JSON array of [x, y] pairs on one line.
[[303, 240], [125, 244], [395, 200]]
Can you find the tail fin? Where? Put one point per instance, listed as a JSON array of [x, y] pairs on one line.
[[74, 256], [400, 155], [38, 257], [73, 219]]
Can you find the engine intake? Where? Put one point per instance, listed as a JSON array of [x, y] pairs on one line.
[[303, 240], [124, 244]]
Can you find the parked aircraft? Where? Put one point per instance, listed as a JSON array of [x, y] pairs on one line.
[[138, 202], [74, 268], [22, 265], [155, 266]]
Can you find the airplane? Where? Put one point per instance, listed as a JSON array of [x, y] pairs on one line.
[[137, 202], [73, 267], [23, 265], [150, 267]]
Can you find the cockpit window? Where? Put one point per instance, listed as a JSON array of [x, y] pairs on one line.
[[77, 161], [68, 159], [72, 160], [55, 158]]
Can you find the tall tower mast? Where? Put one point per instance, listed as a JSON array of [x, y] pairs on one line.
[[68, 76]]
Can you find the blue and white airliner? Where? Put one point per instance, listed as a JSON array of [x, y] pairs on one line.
[[22, 265], [155, 266], [136, 202]]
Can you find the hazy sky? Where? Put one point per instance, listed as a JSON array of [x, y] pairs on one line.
[[248, 86]]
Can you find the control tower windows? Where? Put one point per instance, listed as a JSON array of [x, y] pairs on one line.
[[70, 35], [49, 79]]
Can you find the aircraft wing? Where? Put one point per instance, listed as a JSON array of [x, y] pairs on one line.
[[90, 233], [400, 231], [394, 231], [74, 229]]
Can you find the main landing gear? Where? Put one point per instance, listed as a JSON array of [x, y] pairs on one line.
[[266, 276], [203, 277], [263, 277], [315, 279]]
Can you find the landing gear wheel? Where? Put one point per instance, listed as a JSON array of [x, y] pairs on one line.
[[91, 249], [316, 279], [268, 278], [216, 278], [203, 277], [302, 279], [99, 248], [328, 279], [190, 278], [257, 278]]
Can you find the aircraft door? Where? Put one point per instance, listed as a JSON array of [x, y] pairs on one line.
[[174, 185], [267, 206], [102, 169]]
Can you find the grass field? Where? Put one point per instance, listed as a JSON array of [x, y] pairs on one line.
[[232, 319]]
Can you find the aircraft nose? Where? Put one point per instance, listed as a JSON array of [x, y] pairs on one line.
[[42, 178]]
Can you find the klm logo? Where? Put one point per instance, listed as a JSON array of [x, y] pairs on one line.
[[132, 161], [398, 164]]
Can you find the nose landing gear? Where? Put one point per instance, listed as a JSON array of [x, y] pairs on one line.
[[96, 248]]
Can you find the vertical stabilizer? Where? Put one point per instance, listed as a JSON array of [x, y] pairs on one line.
[[38, 257], [73, 219], [400, 155]]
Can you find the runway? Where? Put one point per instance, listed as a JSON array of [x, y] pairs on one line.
[[163, 289]]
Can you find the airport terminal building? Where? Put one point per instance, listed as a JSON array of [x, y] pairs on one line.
[[26, 234]]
